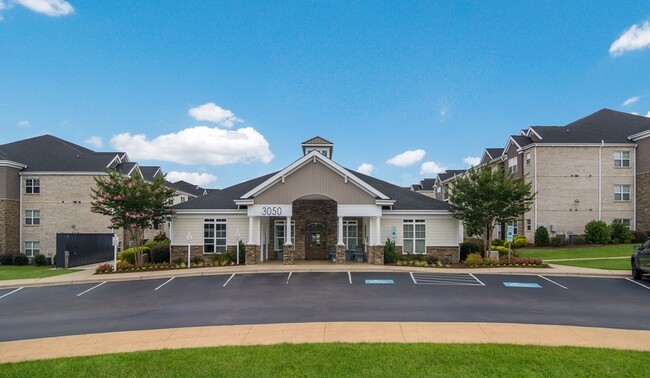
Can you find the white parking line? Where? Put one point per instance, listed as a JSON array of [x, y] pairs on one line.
[[413, 278], [479, 281], [551, 281], [350, 278], [166, 282], [288, 278], [11, 292], [94, 287], [629, 279], [461, 279], [224, 285]]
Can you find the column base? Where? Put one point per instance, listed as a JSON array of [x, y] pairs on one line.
[[288, 254], [376, 254], [252, 254], [340, 254]]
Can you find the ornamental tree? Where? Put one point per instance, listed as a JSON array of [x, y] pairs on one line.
[[485, 197], [132, 203]]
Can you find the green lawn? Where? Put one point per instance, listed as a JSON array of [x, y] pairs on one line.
[[13, 272], [612, 264], [611, 250], [348, 360]]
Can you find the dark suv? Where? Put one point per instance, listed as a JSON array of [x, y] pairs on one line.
[[641, 260]]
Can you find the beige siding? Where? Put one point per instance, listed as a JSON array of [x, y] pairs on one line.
[[315, 179], [643, 158], [9, 183], [441, 230], [182, 225]]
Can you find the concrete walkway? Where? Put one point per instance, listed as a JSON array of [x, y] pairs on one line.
[[93, 344]]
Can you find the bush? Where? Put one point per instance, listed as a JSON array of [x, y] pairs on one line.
[[558, 241], [474, 259], [496, 242], [640, 236], [579, 239], [7, 259], [598, 232], [242, 253], [519, 241], [468, 247], [21, 260], [159, 253], [478, 242], [620, 233], [129, 254], [104, 268], [124, 265], [39, 260], [431, 260], [161, 237], [389, 252], [541, 237]]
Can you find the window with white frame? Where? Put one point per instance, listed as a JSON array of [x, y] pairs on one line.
[[515, 227], [528, 158], [621, 192], [32, 217], [350, 234], [280, 228], [625, 221], [512, 165], [414, 231], [621, 159], [33, 186], [529, 225], [32, 248], [214, 236]]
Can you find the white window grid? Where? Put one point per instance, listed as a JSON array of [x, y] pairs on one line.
[[414, 236], [280, 226], [350, 234], [214, 236], [33, 186], [32, 248], [32, 217], [621, 193], [621, 159]]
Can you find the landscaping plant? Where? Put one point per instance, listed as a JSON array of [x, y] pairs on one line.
[[541, 237], [598, 232]]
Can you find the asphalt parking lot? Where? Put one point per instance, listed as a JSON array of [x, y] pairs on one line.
[[34, 312]]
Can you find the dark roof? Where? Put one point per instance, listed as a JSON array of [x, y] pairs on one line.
[[605, 125], [125, 168], [405, 199], [494, 152], [149, 172], [521, 140], [317, 140], [427, 184], [449, 174], [416, 187], [49, 153], [186, 187]]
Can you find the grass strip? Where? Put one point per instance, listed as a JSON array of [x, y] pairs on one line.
[[611, 264], [612, 250], [14, 272], [348, 360]]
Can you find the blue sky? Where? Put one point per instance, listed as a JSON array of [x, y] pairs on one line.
[[220, 92]]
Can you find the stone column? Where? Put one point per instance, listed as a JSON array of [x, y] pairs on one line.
[[340, 254], [377, 255], [252, 254], [288, 253]]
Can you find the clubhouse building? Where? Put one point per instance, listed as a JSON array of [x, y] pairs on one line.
[[315, 209]]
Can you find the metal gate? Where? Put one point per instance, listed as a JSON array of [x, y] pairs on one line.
[[84, 249]]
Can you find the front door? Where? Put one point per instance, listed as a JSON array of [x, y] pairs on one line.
[[316, 242]]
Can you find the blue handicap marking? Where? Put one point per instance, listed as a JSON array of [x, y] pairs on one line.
[[369, 282], [522, 284]]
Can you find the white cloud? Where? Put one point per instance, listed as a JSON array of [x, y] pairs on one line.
[[648, 115], [366, 169], [212, 112], [631, 100], [472, 160], [407, 158], [24, 124], [431, 168], [191, 177], [53, 8], [95, 141], [635, 38], [198, 145]]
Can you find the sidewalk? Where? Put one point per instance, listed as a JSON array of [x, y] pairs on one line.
[[87, 273]]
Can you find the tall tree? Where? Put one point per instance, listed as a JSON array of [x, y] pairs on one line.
[[132, 203], [485, 197]]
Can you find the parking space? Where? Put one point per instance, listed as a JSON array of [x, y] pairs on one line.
[[462, 279], [319, 279]]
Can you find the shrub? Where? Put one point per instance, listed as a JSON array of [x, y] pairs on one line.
[[506, 244], [124, 265], [431, 260], [558, 241], [159, 253], [21, 259], [519, 241], [242, 253], [39, 260], [178, 261], [474, 259], [579, 239], [161, 237], [103, 268], [640, 236], [197, 260], [129, 254], [6, 259], [502, 250], [468, 247], [496, 242], [620, 233], [598, 232], [541, 237], [478, 242], [389, 252]]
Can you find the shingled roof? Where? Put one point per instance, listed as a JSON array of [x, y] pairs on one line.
[[449, 174], [186, 187]]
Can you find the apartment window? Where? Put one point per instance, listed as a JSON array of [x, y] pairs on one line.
[[512, 165], [625, 221], [214, 235], [414, 236], [32, 186], [621, 192], [350, 234], [183, 199], [278, 241], [527, 158], [529, 225], [515, 227], [32, 217], [32, 248], [621, 159]]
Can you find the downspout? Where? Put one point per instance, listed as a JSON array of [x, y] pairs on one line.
[[20, 215], [600, 179], [634, 192], [535, 181]]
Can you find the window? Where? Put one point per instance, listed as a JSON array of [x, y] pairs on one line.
[[32, 248], [529, 225], [528, 158], [214, 235], [512, 165], [515, 227], [182, 199], [32, 217], [414, 236], [278, 241], [621, 192], [350, 234], [625, 221], [621, 159], [32, 186]]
